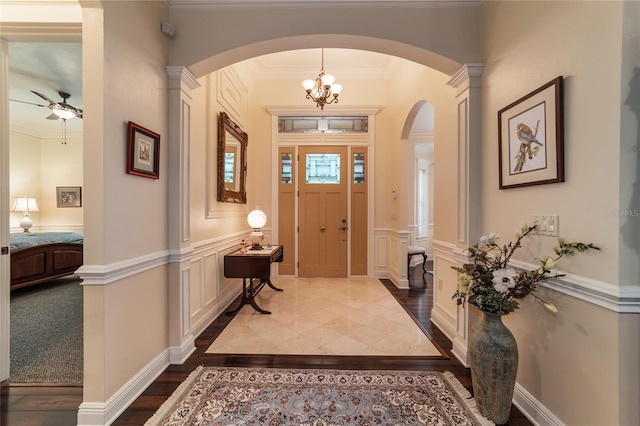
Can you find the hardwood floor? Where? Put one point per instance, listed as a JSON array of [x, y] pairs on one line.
[[57, 406]]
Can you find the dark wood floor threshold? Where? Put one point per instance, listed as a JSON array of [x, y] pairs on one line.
[[58, 405]]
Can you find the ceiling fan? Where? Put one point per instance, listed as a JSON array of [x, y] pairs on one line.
[[58, 109]]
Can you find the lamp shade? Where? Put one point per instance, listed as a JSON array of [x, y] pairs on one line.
[[308, 84], [256, 219], [25, 205]]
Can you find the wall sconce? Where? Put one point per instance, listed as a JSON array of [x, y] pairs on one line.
[[256, 219], [25, 205]]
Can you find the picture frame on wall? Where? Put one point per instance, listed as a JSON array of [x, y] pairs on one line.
[[143, 152], [69, 196], [531, 138]]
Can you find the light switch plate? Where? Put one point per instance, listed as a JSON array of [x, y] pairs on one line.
[[547, 225]]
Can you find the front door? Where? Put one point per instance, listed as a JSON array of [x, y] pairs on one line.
[[322, 211]]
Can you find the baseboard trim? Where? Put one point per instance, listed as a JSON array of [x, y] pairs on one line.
[[532, 409], [179, 354], [105, 413]]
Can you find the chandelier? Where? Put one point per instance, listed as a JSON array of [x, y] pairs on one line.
[[322, 90]]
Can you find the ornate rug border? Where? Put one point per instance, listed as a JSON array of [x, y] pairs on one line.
[[465, 396]]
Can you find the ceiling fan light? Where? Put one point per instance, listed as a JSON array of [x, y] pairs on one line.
[[63, 113]]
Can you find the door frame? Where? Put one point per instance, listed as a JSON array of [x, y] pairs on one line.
[[319, 139]]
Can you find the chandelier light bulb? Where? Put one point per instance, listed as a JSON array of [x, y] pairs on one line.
[[328, 79], [308, 84]]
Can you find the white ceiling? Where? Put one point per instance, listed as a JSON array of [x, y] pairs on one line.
[[46, 68]]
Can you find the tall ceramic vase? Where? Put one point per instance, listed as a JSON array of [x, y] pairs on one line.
[[493, 355]]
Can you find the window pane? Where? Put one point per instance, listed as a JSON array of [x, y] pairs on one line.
[[356, 124], [358, 167], [323, 168], [286, 165]]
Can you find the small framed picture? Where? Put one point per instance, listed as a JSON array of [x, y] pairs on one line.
[[531, 138], [143, 152], [69, 196]]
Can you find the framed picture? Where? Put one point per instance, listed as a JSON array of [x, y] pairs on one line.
[[143, 152], [531, 138], [69, 196]]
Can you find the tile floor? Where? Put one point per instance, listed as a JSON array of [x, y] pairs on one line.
[[320, 316]]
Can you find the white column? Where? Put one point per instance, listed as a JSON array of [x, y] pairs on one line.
[[467, 82], [181, 338]]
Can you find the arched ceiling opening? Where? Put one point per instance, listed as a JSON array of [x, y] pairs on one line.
[[408, 52]]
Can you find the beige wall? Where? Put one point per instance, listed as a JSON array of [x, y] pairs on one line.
[[24, 174], [576, 358], [126, 298], [38, 165], [445, 36]]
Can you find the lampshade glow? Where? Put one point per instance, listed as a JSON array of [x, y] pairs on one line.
[[256, 219], [25, 205]]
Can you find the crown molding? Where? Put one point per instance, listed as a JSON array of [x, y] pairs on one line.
[[34, 31], [24, 131]]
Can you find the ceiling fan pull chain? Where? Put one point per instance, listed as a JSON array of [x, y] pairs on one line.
[[64, 131]]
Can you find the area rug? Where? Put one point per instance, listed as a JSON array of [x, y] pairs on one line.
[[320, 316], [242, 396]]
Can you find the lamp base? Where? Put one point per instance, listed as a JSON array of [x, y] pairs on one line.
[[256, 238], [26, 223]]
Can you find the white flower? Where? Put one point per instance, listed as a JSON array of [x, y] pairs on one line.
[[490, 239], [504, 279], [548, 264], [551, 308], [520, 231]]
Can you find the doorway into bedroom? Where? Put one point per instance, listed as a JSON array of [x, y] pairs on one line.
[[46, 169]]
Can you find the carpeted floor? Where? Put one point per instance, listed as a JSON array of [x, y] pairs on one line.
[[46, 333], [234, 396]]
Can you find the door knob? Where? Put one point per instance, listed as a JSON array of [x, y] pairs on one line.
[[322, 228]]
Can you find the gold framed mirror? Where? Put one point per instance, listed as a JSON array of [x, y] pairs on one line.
[[232, 161]]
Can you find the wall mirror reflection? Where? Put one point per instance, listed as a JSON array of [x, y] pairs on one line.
[[232, 161]]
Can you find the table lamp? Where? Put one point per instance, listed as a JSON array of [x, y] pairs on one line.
[[256, 219], [26, 205]]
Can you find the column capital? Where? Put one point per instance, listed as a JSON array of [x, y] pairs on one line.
[[183, 75], [467, 76]]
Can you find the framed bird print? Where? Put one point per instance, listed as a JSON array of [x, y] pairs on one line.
[[531, 138]]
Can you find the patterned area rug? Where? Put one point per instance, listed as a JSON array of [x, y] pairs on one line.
[[240, 396]]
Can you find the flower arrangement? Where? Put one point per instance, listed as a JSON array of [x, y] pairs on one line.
[[490, 284]]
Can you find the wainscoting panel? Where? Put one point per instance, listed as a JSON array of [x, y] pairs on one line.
[[211, 293]]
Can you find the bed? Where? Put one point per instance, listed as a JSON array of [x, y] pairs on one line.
[[41, 257]]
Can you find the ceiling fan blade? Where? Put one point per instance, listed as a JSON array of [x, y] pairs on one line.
[[44, 97], [29, 103], [52, 116]]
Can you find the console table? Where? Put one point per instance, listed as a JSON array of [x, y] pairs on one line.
[[252, 265]]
